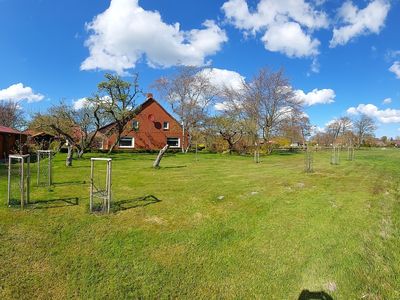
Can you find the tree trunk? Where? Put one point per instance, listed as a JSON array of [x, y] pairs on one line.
[[160, 155], [230, 146], [120, 130], [80, 153], [68, 161], [189, 142]]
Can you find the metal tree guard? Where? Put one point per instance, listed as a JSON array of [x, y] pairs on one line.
[[19, 176], [97, 189], [44, 171]]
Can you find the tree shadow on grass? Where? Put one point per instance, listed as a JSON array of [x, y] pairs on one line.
[[133, 203], [70, 182], [173, 167], [307, 295], [54, 203]]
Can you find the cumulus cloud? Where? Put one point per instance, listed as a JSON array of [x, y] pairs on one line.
[[388, 115], [287, 24], [290, 39], [18, 92], [222, 78], [387, 101], [80, 103], [126, 33], [323, 96], [395, 68], [358, 22]]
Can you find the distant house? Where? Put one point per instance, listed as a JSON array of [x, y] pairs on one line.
[[151, 129], [9, 140], [396, 143], [40, 138]]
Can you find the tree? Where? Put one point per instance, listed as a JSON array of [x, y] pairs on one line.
[[77, 127], [268, 99], [296, 127], [116, 100], [363, 127], [229, 127], [11, 115], [190, 93], [340, 128]]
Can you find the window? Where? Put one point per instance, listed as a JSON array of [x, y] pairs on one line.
[[165, 125], [135, 124], [127, 142], [174, 142]]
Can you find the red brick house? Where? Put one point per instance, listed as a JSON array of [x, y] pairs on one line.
[[9, 138], [151, 129]]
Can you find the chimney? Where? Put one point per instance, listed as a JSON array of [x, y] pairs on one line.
[[149, 96]]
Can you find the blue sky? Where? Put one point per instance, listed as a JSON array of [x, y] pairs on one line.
[[342, 58]]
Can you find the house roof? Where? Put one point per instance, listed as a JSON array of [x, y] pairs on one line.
[[42, 133], [145, 104], [4, 129]]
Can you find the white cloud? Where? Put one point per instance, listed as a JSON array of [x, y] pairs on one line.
[[222, 78], [392, 54], [388, 115], [221, 106], [80, 103], [287, 24], [387, 101], [315, 66], [19, 92], [290, 39], [395, 68], [126, 33], [323, 96], [358, 22]]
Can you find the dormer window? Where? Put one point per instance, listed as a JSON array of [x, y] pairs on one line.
[[165, 125], [135, 124]]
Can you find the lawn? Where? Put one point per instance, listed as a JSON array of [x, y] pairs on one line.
[[215, 226]]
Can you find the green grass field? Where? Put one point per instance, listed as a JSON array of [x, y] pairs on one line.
[[275, 232]]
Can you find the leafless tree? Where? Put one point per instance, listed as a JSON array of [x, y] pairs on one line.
[[77, 127], [229, 127], [339, 128], [190, 93], [363, 127], [296, 127], [116, 100], [11, 115], [268, 99]]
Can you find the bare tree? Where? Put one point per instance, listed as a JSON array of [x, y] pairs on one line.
[[77, 127], [190, 93], [229, 127], [11, 115], [116, 100], [339, 128], [268, 99], [296, 127], [364, 126]]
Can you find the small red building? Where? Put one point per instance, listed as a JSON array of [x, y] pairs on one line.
[[9, 140], [151, 129]]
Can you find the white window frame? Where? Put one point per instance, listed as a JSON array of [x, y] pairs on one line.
[[129, 147], [179, 142], [166, 128], [137, 127]]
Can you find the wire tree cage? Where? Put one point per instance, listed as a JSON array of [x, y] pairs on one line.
[[335, 156], [308, 160], [350, 153], [44, 168], [18, 180], [100, 185]]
